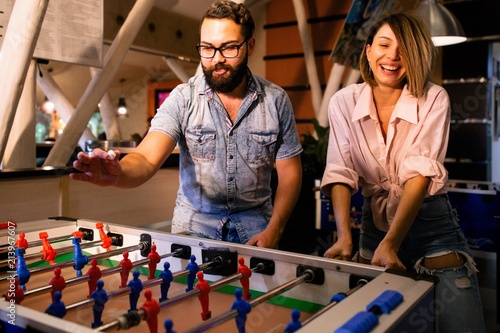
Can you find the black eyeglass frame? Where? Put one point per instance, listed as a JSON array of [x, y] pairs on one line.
[[221, 50]]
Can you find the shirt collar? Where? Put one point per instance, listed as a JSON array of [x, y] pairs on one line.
[[406, 107]]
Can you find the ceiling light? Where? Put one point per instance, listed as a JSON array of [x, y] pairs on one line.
[[48, 106], [444, 27], [122, 107]]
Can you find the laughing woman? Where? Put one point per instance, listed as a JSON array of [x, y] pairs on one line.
[[389, 135]]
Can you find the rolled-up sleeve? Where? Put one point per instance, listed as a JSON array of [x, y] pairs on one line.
[[427, 167], [339, 167], [426, 154]]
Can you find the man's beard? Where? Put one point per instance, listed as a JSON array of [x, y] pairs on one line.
[[227, 84]]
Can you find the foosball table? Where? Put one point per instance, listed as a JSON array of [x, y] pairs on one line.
[[77, 275]]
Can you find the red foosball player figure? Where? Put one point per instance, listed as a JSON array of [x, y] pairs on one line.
[[49, 254], [245, 280], [106, 240], [126, 266], [154, 259], [17, 294], [58, 282], [204, 287], [94, 274], [22, 242], [151, 309]]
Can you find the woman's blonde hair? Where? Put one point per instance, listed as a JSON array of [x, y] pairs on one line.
[[416, 47]]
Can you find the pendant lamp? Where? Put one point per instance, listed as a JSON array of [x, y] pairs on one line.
[[444, 27]]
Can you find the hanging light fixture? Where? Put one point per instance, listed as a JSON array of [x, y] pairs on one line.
[[444, 27], [122, 105], [47, 106]]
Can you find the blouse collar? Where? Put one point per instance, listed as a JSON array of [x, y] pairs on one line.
[[406, 108]]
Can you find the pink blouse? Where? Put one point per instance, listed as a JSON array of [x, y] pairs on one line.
[[417, 139]]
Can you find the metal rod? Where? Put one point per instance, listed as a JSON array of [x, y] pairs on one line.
[[39, 242], [179, 298], [308, 274], [140, 246], [126, 290], [85, 278], [104, 272], [61, 250], [330, 305]]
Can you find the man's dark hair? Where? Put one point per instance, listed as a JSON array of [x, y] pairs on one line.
[[231, 10]]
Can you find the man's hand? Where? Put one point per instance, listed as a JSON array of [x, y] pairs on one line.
[[266, 238], [102, 168]]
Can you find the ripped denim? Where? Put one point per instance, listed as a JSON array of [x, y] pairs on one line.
[[435, 230]]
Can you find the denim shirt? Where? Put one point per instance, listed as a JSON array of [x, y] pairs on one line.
[[225, 169]]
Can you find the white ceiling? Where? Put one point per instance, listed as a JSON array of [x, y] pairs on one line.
[[135, 64], [194, 8], [190, 8]]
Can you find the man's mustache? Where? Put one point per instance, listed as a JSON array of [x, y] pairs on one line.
[[218, 67]]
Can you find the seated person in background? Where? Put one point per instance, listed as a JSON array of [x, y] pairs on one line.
[[389, 135], [232, 129]]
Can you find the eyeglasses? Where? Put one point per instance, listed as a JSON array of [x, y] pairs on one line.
[[227, 51]]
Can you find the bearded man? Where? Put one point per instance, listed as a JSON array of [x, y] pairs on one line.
[[232, 128]]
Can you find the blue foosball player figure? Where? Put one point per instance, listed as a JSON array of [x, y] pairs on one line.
[[136, 287], [193, 268], [167, 277], [78, 257], [100, 298], [22, 271], [169, 324], [243, 307], [57, 307], [295, 324]]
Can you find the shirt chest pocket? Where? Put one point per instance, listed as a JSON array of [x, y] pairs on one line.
[[262, 148], [201, 145]]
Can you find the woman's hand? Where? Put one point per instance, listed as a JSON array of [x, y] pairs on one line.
[[387, 256], [342, 250]]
